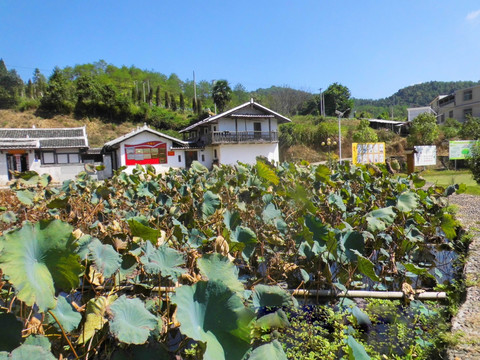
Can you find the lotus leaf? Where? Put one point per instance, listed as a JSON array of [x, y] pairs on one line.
[[31, 352], [270, 351], [162, 260], [407, 202], [211, 202], [265, 172], [356, 351], [219, 268], [38, 256], [265, 296], [212, 313], [10, 332], [139, 227], [25, 197], [95, 317], [68, 317], [131, 322], [246, 239], [105, 259]]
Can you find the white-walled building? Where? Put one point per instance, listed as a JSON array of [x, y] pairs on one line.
[[57, 152], [238, 135]]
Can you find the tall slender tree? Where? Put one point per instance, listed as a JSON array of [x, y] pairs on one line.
[[182, 102], [173, 103], [158, 99], [167, 101]]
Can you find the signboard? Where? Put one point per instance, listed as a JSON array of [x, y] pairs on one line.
[[460, 149], [368, 153], [425, 155], [171, 153], [150, 152]]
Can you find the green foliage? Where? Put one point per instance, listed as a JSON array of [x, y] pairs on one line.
[[337, 97], [221, 94], [451, 128], [424, 130], [364, 133], [470, 129], [137, 235]]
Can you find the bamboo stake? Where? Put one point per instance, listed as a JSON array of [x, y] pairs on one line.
[[427, 295]]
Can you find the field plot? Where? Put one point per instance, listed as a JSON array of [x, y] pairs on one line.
[[199, 264]]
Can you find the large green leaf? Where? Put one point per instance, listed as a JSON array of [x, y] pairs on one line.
[[265, 296], [131, 322], [25, 197], [10, 332], [105, 259], [266, 173], [66, 315], [350, 241], [407, 202], [379, 219], [95, 317], [270, 351], [449, 226], [366, 267], [219, 268], [338, 201], [212, 313], [163, 260], [244, 239], [211, 202], [142, 230], [31, 352], [356, 351], [37, 257]]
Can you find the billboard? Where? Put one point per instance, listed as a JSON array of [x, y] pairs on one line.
[[425, 155], [368, 153], [460, 149]]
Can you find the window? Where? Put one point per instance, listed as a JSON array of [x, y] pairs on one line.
[[48, 157], [467, 95], [467, 113], [450, 114], [215, 153], [203, 157], [179, 158], [152, 152]]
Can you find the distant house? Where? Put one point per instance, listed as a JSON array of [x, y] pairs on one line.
[[146, 146], [458, 105], [239, 134], [57, 152]]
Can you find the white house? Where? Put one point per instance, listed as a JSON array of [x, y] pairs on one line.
[[239, 134], [57, 152], [146, 146]]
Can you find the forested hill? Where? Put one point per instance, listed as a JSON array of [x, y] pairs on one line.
[[418, 95]]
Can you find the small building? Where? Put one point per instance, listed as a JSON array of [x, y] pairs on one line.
[[459, 105], [240, 134], [145, 146], [57, 152], [414, 112]]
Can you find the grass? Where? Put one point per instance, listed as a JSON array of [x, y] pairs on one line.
[[450, 177]]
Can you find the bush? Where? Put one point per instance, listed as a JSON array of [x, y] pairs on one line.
[[364, 133], [28, 104]]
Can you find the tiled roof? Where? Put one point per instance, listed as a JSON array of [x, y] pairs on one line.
[[43, 138]]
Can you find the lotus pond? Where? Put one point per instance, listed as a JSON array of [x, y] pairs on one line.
[[197, 264]]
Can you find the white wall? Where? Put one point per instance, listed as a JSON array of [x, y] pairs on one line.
[[3, 169], [246, 153], [172, 161]]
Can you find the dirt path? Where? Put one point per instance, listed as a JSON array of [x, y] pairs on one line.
[[466, 324]]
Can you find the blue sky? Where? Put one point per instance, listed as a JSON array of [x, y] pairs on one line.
[[374, 47]]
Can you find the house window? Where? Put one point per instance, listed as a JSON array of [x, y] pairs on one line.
[[68, 158], [467, 113], [450, 114], [215, 153], [151, 152], [442, 118], [467, 95], [179, 158], [203, 157], [48, 157], [257, 130]]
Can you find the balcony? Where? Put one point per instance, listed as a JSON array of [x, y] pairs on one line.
[[232, 137]]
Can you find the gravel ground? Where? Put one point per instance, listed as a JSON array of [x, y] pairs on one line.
[[466, 324]]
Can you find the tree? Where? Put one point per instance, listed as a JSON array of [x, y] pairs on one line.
[[424, 130], [167, 101], [182, 102], [470, 129], [194, 105], [451, 128], [364, 133], [59, 94], [337, 97], [150, 96], [39, 83], [11, 85], [221, 94], [158, 99], [173, 103], [240, 94]]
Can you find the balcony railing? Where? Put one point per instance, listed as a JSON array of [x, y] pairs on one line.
[[222, 137]]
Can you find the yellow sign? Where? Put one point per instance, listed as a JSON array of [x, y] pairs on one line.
[[368, 153]]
